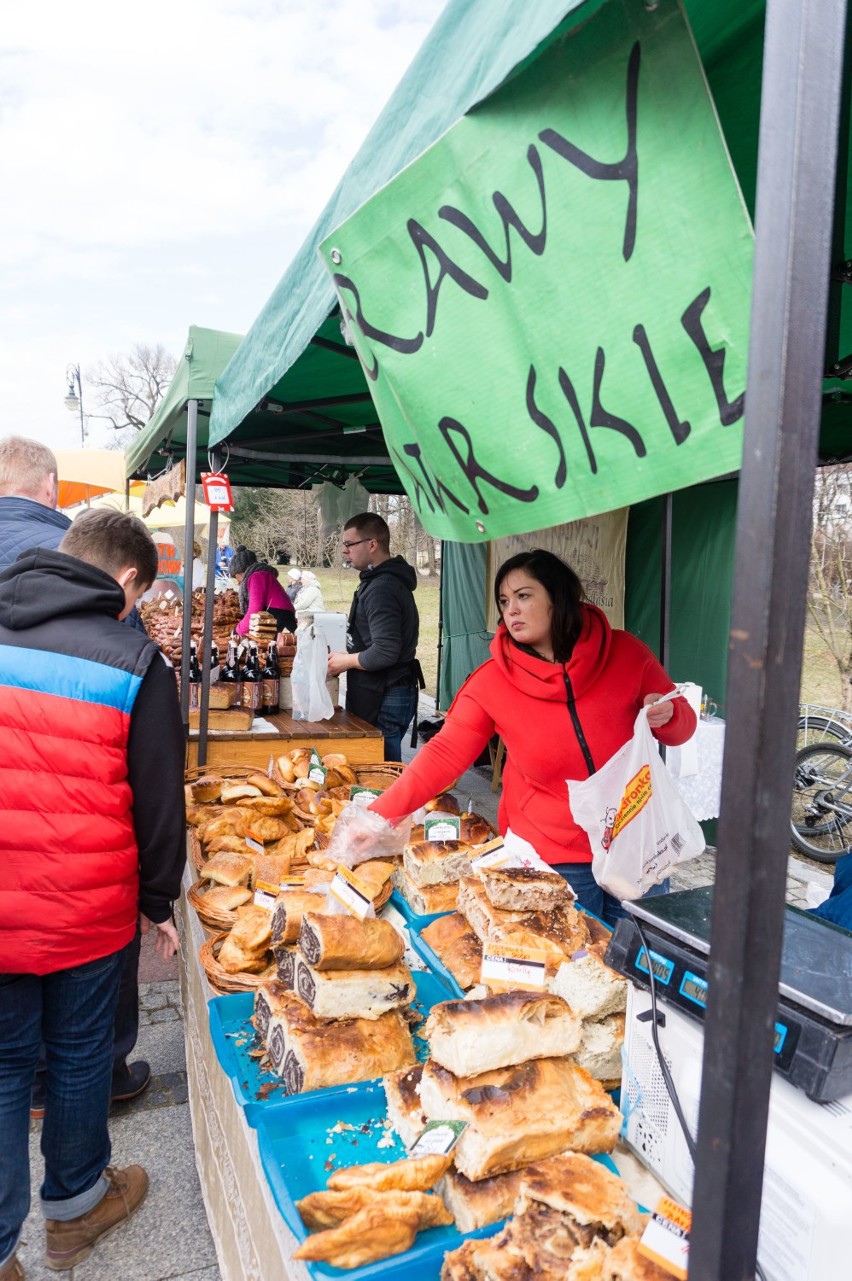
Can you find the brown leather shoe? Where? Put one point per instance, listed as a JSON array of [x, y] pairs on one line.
[[12, 1270], [71, 1241]]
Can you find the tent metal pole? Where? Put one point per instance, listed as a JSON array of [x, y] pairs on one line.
[[440, 631], [188, 530], [800, 104], [666, 584], [207, 646]]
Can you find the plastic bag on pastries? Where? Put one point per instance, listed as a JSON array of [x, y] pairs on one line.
[[359, 834]]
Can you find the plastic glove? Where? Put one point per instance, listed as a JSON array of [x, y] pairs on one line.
[[360, 834]]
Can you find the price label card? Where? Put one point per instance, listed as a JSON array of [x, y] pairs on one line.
[[363, 795], [442, 827], [514, 967], [265, 894], [293, 883], [437, 1139], [666, 1237], [349, 891], [253, 843], [317, 771], [492, 854]]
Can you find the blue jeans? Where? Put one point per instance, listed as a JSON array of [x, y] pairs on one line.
[[592, 897], [72, 1013], [398, 709]]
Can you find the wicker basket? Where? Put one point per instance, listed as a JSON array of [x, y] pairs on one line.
[[215, 919], [379, 775], [196, 850], [220, 979], [226, 772]]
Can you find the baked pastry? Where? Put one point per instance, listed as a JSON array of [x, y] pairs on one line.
[[207, 788], [236, 791], [427, 900], [520, 1114], [589, 986], [525, 889], [345, 943], [245, 948], [413, 1174], [326, 1209], [469, 1037], [226, 898], [287, 913], [625, 1262], [475, 829], [232, 823], [461, 1264], [232, 844], [271, 806], [444, 803], [284, 955], [429, 863], [272, 869], [264, 827], [264, 784], [559, 931], [312, 1053], [475, 1205], [512, 1256], [376, 1232], [405, 1111], [354, 994], [269, 1002], [594, 1199], [600, 1049], [374, 874], [456, 946], [227, 868]]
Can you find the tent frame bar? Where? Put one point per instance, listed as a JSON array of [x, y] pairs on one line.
[[800, 108]]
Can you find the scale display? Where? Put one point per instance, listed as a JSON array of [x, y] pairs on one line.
[[813, 1029]]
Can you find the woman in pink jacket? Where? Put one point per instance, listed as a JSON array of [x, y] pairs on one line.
[[260, 589]]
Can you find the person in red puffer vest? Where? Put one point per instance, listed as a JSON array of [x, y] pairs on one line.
[[91, 842]]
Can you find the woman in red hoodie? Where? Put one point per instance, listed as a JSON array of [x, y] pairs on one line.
[[562, 688]]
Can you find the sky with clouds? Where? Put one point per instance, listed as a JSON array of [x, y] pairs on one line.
[[161, 166]]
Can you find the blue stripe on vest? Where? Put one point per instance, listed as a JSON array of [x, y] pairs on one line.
[[47, 672]]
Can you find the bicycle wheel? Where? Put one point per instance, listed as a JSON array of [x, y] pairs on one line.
[[818, 728], [821, 820]]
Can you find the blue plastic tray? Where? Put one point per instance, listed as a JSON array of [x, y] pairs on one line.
[[302, 1144], [417, 922], [433, 960], [234, 1037]]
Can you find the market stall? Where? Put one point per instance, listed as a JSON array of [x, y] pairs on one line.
[[780, 444]]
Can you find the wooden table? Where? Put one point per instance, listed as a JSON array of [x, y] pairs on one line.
[[360, 742]]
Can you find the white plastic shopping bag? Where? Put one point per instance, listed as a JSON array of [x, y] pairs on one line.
[[638, 824], [311, 699]]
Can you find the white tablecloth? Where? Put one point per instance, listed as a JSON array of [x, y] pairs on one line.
[[702, 790]]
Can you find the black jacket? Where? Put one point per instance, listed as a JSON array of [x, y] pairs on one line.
[[383, 630]]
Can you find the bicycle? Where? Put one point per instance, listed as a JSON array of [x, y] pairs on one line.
[[821, 818]]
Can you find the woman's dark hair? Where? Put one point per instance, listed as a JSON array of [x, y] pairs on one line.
[[562, 586], [242, 558]]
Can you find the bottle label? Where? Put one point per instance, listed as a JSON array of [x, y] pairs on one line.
[[194, 689], [270, 695], [251, 695]]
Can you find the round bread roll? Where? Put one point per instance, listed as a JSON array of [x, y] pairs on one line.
[[237, 791], [474, 829], [207, 788], [264, 784], [445, 802]]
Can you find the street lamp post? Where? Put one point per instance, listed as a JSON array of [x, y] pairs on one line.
[[74, 397]]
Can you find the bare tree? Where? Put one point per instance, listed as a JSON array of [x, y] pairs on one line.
[[830, 581], [127, 387]]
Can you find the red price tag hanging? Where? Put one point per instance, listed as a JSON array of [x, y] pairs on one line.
[[217, 492]]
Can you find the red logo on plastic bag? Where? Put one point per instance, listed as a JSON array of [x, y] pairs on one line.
[[636, 796]]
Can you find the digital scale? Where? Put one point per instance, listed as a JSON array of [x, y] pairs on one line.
[[807, 1182], [813, 1027]]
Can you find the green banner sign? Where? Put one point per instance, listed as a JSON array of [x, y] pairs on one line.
[[551, 304]]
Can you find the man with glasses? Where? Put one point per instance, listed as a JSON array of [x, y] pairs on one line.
[[382, 673]]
